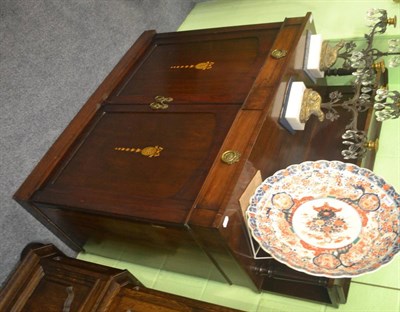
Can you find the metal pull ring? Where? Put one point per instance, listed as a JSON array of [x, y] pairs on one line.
[[279, 53], [230, 157]]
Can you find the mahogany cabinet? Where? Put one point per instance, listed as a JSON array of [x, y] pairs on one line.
[[47, 280], [162, 151]]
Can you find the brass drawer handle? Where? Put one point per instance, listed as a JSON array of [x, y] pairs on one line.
[[230, 157], [279, 53], [160, 102]]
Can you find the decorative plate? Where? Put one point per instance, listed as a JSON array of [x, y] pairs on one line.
[[327, 218]]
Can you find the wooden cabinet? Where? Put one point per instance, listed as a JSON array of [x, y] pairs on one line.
[[142, 160], [47, 280]]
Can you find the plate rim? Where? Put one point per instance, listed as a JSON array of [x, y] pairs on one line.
[[368, 173]]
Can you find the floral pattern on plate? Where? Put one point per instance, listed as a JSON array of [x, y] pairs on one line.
[[327, 218]]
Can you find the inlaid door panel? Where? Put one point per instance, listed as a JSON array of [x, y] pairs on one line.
[[218, 68], [139, 162]]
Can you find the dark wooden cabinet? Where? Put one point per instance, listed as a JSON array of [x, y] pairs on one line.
[[142, 160], [47, 280]]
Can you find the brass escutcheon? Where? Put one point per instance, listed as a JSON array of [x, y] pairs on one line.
[[279, 53], [230, 157], [160, 102]]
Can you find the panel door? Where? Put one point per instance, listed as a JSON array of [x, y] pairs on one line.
[[142, 163], [206, 67]]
